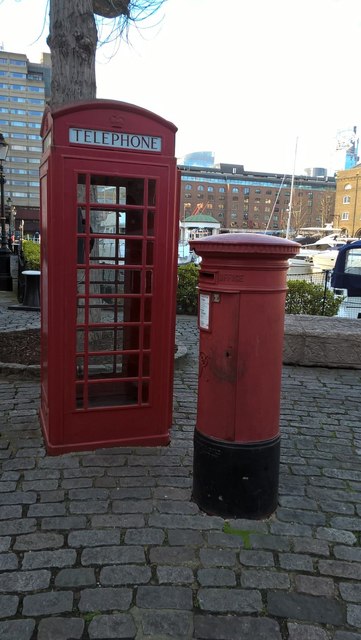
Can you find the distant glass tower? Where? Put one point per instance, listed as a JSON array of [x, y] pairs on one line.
[[199, 159]]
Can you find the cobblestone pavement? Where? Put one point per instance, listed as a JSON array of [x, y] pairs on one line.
[[108, 544]]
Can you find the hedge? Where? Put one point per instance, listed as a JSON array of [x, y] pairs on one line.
[[305, 298]]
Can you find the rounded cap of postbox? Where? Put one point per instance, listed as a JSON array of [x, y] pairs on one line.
[[239, 244]]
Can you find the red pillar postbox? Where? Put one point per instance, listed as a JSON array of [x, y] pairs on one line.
[[242, 289], [109, 230]]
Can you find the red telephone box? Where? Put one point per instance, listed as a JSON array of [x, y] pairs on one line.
[[109, 231]]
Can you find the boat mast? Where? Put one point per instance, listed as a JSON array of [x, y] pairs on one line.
[[291, 196]]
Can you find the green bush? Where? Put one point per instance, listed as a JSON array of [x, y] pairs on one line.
[[311, 299], [187, 292], [31, 254]]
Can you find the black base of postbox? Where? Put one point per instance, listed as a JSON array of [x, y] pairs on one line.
[[236, 480]]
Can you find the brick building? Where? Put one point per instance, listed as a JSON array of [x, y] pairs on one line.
[[253, 200]]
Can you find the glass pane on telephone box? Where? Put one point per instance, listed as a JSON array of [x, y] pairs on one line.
[[115, 247]]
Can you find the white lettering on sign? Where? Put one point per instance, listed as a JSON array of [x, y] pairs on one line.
[[133, 141]]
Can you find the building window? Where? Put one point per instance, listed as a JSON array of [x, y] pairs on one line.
[[234, 189], [210, 189], [221, 189], [348, 186], [346, 200], [18, 63], [246, 191], [258, 191], [200, 188], [344, 216], [235, 198], [188, 186]]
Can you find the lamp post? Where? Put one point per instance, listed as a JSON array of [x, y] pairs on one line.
[[6, 283]]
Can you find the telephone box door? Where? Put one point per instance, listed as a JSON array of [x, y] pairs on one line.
[[119, 308]]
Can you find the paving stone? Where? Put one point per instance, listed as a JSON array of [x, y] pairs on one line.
[[340, 569], [347, 553], [311, 546], [38, 540], [153, 597], [64, 524], [175, 575], [198, 522], [112, 555], [8, 561], [11, 496], [295, 562], [256, 558], [125, 574], [5, 543], [112, 626], [185, 537], [263, 579], [172, 624], [15, 527], [127, 506], [270, 542], [123, 521], [147, 536], [172, 555], [96, 538], [16, 629], [354, 615], [350, 591], [305, 608], [211, 627], [42, 509], [60, 629], [47, 603], [227, 600], [346, 635], [8, 606], [306, 632], [8, 512], [24, 581], [217, 557], [44, 559], [315, 586], [78, 577], [89, 507], [105, 599], [217, 577]]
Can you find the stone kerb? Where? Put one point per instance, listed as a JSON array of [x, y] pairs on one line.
[[320, 341]]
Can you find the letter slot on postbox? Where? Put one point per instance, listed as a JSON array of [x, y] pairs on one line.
[[242, 289]]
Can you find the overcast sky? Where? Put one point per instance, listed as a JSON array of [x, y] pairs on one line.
[[244, 79]]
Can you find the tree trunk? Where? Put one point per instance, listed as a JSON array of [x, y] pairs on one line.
[[72, 41]]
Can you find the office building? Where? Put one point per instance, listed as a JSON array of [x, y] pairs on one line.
[[24, 90]]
